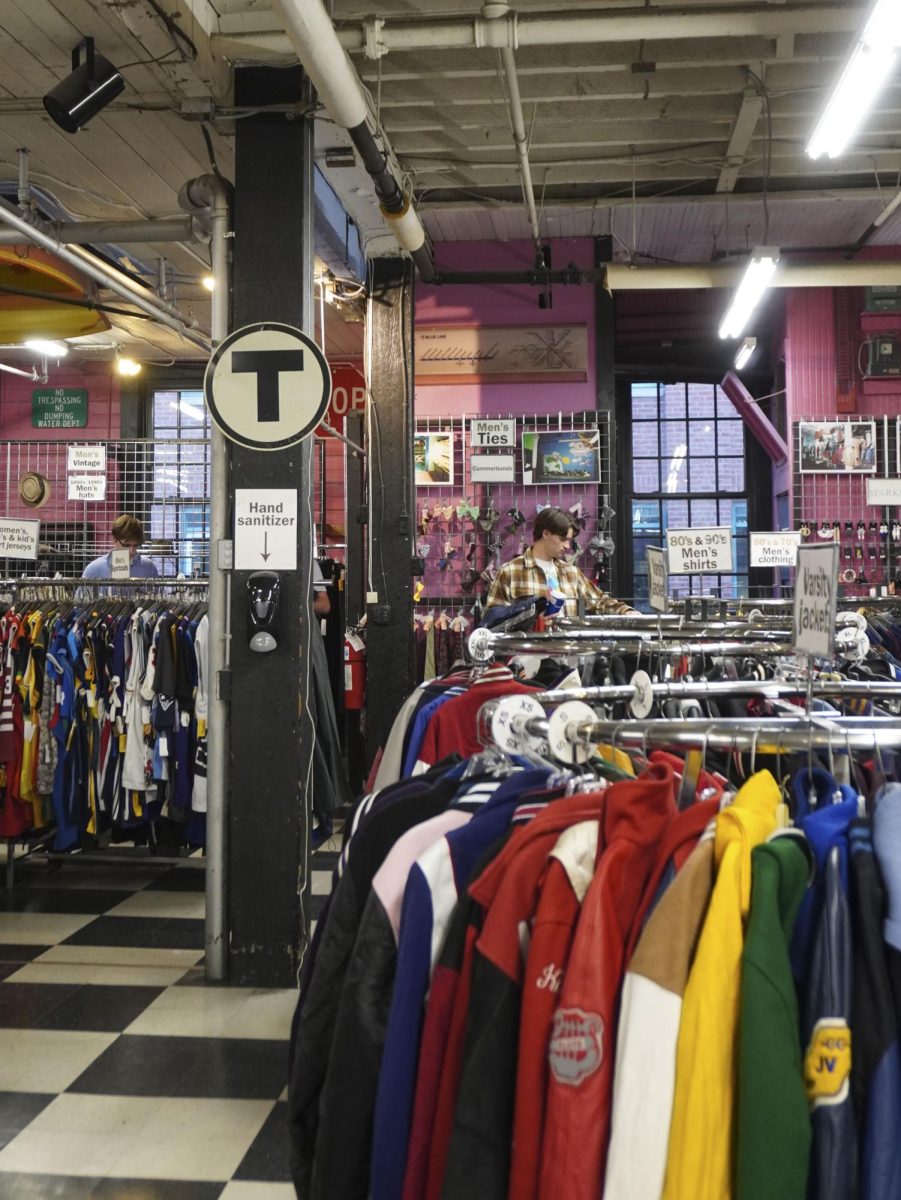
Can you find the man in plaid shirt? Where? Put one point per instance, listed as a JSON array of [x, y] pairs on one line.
[[542, 571]]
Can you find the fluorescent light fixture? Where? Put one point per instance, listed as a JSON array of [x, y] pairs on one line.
[[745, 350], [48, 348], [754, 283], [863, 75], [128, 367], [209, 282]]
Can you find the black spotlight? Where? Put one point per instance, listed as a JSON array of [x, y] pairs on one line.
[[81, 95]]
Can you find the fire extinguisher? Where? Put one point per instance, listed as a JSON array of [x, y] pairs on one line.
[[354, 671]]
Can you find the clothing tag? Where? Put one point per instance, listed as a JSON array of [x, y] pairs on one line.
[[201, 727], [163, 747], [145, 714], [185, 719], [123, 740]]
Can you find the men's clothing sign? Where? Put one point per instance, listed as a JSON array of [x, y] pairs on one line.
[[699, 551], [657, 578], [774, 549], [267, 386], [266, 529]]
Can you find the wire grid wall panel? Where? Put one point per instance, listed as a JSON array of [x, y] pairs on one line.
[[460, 548], [824, 499], [165, 483]]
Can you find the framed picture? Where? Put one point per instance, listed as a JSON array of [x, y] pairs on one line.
[[433, 458], [830, 447], [572, 457]]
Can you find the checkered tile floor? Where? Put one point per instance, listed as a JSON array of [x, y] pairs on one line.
[[123, 1076]]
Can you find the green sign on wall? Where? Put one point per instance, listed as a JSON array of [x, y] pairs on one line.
[[59, 408]]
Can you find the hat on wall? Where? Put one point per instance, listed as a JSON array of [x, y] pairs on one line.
[[34, 489]]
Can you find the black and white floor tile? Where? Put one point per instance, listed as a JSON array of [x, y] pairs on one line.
[[123, 1076]]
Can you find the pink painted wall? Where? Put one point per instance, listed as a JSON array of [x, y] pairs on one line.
[[506, 305], [46, 452]]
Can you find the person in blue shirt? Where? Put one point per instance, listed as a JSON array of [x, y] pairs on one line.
[[127, 534]]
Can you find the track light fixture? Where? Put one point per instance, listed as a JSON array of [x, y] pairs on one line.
[[81, 95]]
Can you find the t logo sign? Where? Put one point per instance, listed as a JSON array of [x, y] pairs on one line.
[[267, 386], [267, 365]]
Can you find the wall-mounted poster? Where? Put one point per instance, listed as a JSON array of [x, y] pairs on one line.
[[433, 458], [837, 446], [501, 353], [571, 457]]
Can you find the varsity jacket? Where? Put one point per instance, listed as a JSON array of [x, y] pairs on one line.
[[826, 1009], [314, 1020], [522, 576], [876, 1078], [773, 1139], [342, 1156], [650, 1013], [429, 898], [488, 987], [583, 1036], [567, 876], [453, 727], [462, 931], [699, 1158]]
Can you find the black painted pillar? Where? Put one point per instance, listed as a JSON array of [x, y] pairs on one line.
[[271, 731], [605, 398], [389, 636]]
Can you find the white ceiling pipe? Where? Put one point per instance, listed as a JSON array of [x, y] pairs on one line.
[[622, 278], [311, 33], [516, 30], [520, 138], [165, 314]]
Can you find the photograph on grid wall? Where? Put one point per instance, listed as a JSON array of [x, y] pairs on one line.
[[829, 447], [561, 457], [433, 458]]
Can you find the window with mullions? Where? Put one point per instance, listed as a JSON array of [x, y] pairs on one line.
[[688, 471], [179, 508]]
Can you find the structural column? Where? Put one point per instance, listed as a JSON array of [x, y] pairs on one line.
[[271, 743], [389, 637], [605, 394]]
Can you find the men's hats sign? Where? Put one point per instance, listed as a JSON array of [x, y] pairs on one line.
[[267, 386]]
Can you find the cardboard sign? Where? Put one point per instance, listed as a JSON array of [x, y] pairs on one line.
[[487, 432], [120, 563], [657, 578], [86, 487], [86, 458], [883, 491], [699, 551], [266, 529], [816, 599], [19, 539], [774, 549], [492, 468]]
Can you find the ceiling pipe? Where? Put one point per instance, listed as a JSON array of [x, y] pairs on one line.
[[620, 277], [87, 233], [496, 12], [515, 30], [165, 314], [874, 225], [313, 37], [33, 374]]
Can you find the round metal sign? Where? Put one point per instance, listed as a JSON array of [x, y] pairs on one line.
[[267, 386]]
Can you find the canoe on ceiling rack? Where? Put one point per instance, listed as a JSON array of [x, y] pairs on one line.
[[30, 269]]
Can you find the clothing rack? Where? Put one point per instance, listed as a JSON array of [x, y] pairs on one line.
[[704, 689], [186, 597], [483, 644]]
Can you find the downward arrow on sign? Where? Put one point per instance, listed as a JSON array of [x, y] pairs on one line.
[[265, 545]]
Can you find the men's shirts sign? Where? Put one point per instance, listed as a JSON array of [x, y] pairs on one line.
[[816, 599], [699, 551]]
